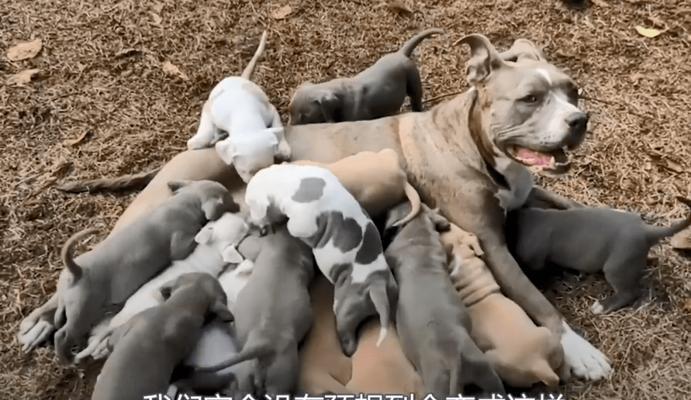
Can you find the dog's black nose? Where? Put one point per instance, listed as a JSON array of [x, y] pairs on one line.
[[577, 122]]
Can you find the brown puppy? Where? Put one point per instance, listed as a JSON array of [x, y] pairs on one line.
[[384, 369], [521, 353], [376, 180], [323, 366]]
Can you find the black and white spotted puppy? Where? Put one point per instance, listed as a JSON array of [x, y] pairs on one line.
[[343, 238]]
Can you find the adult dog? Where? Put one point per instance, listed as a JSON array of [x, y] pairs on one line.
[[467, 156]]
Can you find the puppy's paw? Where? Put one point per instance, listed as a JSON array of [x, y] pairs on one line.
[[196, 144], [31, 336], [584, 360], [597, 308]]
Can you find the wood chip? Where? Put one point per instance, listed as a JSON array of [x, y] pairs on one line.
[[282, 12], [171, 69], [79, 139], [23, 77], [25, 50]]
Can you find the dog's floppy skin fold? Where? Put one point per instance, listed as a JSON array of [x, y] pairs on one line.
[[448, 153]]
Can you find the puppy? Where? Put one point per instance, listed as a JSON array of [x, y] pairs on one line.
[[432, 322], [273, 315], [521, 352], [382, 369], [589, 240], [376, 92], [323, 366], [216, 247], [104, 277], [238, 108], [153, 342], [376, 180], [344, 240]]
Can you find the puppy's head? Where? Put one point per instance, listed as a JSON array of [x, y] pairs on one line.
[[225, 234], [250, 153], [312, 104], [200, 284], [215, 198], [528, 108]]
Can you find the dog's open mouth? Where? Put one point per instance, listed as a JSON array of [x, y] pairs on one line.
[[555, 161]]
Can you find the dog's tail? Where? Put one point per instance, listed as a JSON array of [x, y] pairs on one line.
[[656, 233], [256, 346], [411, 44], [415, 205], [381, 305], [68, 249], [249, 69], [120, 183]]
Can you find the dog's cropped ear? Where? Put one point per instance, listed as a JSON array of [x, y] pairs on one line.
[[328, 103], [174, 186], [396, 213], [523, 49], [231, 255], [221, 311], [205, 235], [484, 58]]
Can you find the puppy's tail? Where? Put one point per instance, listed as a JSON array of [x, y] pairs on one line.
[[124, 182], [415, 205], [68, 249], [382, 306], [255, 347], [249, 69], [656, 233], [411, 44]]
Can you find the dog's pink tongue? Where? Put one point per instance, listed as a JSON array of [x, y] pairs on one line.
[[533, 157]]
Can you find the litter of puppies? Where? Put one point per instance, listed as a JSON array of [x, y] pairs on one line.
[[416, 287]]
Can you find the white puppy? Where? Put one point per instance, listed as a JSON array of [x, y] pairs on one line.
[[345, 243], [239, 108], [216, 248]]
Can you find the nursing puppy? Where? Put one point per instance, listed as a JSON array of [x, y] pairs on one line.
[[216, 247], [376, 92], [432, 322], [589, 240], [273, 315], [107, 275], [376, 180], [238, 108], [344, 240], [522, 354], [153, 342]]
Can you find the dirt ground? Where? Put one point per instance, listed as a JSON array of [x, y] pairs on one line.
[[102, 77]]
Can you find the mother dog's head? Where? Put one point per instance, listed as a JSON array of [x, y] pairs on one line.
[[528, 108]]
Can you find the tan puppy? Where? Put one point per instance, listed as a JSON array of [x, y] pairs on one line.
[[376, 179], [323, 366], [520, 352], [384, 369]]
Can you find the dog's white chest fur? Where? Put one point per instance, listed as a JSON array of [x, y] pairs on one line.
[[520, 182]]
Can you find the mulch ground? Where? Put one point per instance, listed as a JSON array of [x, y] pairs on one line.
[[106, 102]]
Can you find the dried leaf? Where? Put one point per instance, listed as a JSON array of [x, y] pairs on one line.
[[282, 13], [79, 139], [648, 32], [399, 7], [170, 69], [22, 78], [127, 52], [61, 168], [156, 18], [682, 241], [674, 166], [25, 50]]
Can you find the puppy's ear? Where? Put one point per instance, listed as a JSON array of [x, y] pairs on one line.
[[396, 213], [484, 58], [221, 311], [174, 186], [205, 235], [231, 255], [523, 49], [329, 104]]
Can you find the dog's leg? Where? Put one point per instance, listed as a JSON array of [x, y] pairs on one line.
[[436, 378], [97, 349], [624, 275], [542, 198], [37, 327], [414, 87], [206, 133], [302, 225]]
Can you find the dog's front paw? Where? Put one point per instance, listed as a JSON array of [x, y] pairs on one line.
[[194, 144], [32, 333], [582, 358]]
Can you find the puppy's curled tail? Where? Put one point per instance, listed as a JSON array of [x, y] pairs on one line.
[[415, 205], [249, 69], [120, 183], [255, 347], [382, 306], [656, 233], [68, 249], [411, 44]]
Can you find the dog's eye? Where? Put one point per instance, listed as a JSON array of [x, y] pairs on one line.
[[530, 99]]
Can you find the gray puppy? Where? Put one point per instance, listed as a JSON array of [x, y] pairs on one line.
[[589, 240], [149, 346], [273, 314], [102, 279], [432, 322], [376, 92]]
